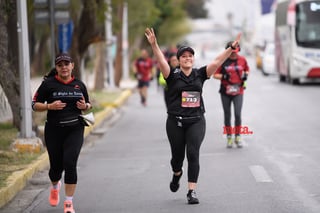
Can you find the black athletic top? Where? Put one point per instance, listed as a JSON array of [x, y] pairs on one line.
[[51, 89], [185, 92]]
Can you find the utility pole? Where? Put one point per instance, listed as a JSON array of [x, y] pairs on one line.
[[52, 31], [24, 71], [26, 140], [109, 42], [125, 43]]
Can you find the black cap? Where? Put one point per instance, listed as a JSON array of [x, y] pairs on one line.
[[63, 57], [182, 49]]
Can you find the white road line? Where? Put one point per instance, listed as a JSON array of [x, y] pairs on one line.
[[260, 174]]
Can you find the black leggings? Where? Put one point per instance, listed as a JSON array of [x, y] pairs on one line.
[[237, 103], [63, 146], [186, 138]]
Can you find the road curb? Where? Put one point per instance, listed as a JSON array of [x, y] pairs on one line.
[[18, 180]]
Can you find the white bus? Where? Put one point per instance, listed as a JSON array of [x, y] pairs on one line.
[[297, 40]]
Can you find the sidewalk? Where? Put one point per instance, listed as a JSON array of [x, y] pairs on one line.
[[17, 181]]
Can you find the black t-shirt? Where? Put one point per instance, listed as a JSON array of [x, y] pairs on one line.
[[51, 89], [185, 92]]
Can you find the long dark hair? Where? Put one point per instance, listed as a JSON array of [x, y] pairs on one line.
[[52, 73]]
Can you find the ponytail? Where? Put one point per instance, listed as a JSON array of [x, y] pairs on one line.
[[52, 73]]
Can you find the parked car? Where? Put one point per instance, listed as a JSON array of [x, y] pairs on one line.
[[258, 58], [268, 59]]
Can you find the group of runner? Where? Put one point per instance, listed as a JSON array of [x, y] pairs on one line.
[[65, 98]]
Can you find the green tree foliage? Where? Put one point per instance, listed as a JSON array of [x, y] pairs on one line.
[[167, 17], [88, 28], [40, 58], [196, 9], [172, 22], [140, 15]]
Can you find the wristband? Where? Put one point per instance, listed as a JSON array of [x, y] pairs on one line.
[[233, 48], [33, 106]]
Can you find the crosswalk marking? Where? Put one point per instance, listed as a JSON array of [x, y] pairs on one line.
[[260, 174]]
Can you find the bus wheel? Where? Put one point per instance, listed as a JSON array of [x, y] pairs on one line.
[[295, 81], [282, 78]]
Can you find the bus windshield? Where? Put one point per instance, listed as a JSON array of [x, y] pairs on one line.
[[308, 24]]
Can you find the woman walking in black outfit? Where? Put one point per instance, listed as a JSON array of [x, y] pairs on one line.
[[186, 124]]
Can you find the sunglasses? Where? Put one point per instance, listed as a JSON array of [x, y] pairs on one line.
[[64, 63]]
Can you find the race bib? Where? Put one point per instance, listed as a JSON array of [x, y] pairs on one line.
[[190, 99], [233, 89]]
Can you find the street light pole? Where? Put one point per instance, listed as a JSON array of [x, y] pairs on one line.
[[109, 42], [125, 43], [27, 142], [52, 28], [24, 70]]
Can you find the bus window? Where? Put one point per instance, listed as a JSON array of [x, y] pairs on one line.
[[308, 24]]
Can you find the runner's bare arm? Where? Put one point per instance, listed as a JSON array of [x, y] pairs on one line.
[[213, 66], [164, 66]]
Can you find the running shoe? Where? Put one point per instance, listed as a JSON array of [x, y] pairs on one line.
[[54, 195], [174, 184], [68, 207], [192, 197], [229, 142], [238, 142]]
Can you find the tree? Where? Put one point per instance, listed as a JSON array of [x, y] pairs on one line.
[[88, 28], [86, 32], [172, 23], [195, 9], [40, 60], [140, 15], [88, 20], [9, 72], [100, 66], [118, 60]]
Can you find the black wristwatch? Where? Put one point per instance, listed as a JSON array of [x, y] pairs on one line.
[[232, 47]]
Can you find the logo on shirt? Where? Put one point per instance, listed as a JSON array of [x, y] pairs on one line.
[[176, 70], [232, 67]]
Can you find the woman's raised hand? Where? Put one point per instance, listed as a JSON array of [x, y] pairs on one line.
[[237, 40], [149, 33]]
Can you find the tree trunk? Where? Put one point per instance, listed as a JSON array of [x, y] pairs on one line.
[[75, 54], [85, 32], [37, 66], [9, 73], [100, 66]]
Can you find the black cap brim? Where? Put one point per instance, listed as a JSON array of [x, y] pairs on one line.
[[63, 57], [183, 49]]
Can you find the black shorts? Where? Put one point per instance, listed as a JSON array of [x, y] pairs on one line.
[[143, 84]]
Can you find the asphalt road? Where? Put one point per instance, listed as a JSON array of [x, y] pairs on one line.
[[126, 169]]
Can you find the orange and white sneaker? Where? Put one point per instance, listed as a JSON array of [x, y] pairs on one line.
[[54, 195], [68, 207]]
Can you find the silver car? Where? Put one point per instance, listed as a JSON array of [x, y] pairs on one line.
[[268, 59]]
